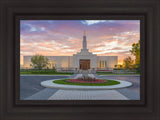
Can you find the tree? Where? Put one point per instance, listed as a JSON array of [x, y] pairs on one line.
[[115, 66], [136, 51], [39, 61], [118, 66], [128, 63], [54, 69]]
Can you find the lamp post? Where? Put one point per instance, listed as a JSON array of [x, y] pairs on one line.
[[76, 68], [93, 69]]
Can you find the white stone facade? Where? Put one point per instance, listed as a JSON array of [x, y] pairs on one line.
[[83, 55]]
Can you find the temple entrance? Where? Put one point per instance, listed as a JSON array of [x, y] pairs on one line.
[[84, 64]]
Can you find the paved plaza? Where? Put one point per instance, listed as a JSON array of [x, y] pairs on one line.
[[30, 89]]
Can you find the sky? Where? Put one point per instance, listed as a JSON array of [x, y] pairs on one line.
[[64, 37]]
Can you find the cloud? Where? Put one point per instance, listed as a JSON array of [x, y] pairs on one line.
[[105, 37], [64, 37], [91, 22]]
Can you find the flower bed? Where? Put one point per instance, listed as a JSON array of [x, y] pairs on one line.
[[87, 81]]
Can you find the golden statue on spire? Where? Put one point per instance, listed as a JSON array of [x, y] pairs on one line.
[[84, 32]]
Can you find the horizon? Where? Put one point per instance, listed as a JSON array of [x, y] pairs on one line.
[[47, 37]]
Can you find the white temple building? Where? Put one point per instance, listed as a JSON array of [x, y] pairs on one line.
[[83, 60]]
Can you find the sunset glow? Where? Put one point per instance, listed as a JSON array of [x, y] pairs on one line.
[[64, 37]]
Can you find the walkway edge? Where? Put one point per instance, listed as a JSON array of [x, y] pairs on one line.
[[50, 84]]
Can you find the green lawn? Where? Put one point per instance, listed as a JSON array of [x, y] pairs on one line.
[[110, 73], [63, 81], [44, 73]]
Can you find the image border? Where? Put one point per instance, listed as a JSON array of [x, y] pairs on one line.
[[11, 109], [81, 102]]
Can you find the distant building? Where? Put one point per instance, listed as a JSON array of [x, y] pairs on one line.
[[83, 60]]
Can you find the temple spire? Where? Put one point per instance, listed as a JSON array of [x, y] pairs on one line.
[[84, 33], [84, 41]]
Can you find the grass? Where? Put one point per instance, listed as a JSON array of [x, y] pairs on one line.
[[63, 81], [47, 72], [110, 73], [43, 73]]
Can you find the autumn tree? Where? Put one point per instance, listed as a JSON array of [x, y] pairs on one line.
[[128, 63], [39, 61], [136, 52]]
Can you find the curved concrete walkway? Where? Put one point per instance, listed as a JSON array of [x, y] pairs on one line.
[[50, 84]]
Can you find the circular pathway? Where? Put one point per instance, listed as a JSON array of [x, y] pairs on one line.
[[50, 84]]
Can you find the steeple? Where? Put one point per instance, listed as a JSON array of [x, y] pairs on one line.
[[84, 41], [84, 33], [84, 50]]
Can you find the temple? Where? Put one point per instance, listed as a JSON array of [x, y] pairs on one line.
[[83, 60]]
